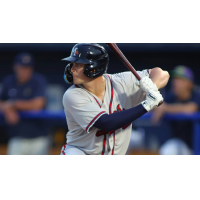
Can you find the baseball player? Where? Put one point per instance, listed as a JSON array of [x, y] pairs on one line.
[[101, 107]]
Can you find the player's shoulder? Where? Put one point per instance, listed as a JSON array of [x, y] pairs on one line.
[[36, 77], [121, 77], [196, 93], [9, 79], [128, 74], [117, 76], [74, 93], [74, 89]]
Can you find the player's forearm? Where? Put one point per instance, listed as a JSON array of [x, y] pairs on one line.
[[181, 108], [120, 119], [159, 77], [25, 105]]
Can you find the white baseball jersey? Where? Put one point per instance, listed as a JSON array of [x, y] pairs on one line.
[[83, 109]]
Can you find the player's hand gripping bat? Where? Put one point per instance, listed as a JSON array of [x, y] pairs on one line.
[[115, 48]]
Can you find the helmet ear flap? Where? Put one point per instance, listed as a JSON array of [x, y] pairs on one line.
[[67, 74]]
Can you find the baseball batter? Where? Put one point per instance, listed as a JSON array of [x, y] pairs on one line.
[[101, 107]]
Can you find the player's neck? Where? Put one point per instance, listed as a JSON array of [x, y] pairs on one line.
[[97, 87]]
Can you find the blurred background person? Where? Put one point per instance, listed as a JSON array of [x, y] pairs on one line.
[[24, 91], [183, 98]]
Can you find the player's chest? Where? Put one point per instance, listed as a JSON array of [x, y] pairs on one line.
[[112, 101], [17, 92]]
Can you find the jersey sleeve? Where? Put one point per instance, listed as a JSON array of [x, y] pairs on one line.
[[80, 107], [127, 81]]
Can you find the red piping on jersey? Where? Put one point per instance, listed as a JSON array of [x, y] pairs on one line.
[[63, 150], [108, 76], [124, 127], [97, 102], [110, 110], [111, 95], [77, 86], [94, 120]]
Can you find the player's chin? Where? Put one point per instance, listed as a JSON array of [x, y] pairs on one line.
[[75, 81]]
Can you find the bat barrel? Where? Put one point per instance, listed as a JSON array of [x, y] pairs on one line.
[[115, 48]]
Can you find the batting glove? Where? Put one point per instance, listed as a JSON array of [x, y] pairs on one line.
[[146, 84], [153, 99]]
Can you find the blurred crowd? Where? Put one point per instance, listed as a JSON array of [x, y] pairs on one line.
[[182, 98], [25, 90]]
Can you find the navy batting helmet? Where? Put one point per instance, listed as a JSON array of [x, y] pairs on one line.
[[94, 56]]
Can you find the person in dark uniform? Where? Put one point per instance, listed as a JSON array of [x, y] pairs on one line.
[[24, 91], [182, 99]]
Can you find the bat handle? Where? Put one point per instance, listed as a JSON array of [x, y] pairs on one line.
[[160, 103]]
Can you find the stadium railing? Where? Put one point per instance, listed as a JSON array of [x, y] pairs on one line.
[[59, 115]]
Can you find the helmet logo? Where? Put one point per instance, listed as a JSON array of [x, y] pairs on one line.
[[75, 52]]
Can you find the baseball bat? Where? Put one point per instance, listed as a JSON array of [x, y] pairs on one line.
[[115, 48]]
